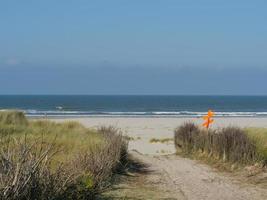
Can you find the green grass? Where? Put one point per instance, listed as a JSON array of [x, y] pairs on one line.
[[71, 137], [259, 136]]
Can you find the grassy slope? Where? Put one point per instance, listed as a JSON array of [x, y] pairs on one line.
[[93, 151], [70, 137]]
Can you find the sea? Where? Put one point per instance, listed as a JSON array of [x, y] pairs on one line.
[[135, 105]]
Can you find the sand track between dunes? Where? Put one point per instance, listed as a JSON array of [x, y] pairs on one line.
[[175, 177]]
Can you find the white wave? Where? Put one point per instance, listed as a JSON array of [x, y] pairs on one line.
[[137, 113]]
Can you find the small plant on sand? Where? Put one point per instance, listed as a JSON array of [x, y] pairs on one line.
[[129, 138], [162, 140]]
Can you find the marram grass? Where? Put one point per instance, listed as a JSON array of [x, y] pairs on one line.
[[229, 144], [41, 159], [259, 137]]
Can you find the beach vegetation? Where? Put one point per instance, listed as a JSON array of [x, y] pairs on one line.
[[41, 159], [259, 137], [229, 144], [161, 140], [12, 117], [129, 138]]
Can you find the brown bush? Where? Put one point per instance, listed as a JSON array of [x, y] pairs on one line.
[[118, 144], [97, 165], [233, 144], [229, 144], [185, 136], [28, 170]]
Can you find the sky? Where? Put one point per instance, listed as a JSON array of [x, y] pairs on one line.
[[133, 47]]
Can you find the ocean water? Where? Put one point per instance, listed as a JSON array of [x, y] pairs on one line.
[[135, 105]]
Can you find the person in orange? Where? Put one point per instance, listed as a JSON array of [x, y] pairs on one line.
[[208, 119]]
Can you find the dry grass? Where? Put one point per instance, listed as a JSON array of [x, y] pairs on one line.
[[47, 160], [185, 136], [259, 136], [162, 140], [230, 144], [13, 117], [129, 138], [26, 171]]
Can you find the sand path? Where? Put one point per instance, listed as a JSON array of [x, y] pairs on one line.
[[174, 177]]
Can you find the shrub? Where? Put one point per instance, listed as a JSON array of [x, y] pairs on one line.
[[47, 160], [26, 171], [118, 145], [97, 164], [233, 144], [185, 136], [228, 144]]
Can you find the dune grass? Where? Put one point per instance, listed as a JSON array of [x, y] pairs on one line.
[[41, 159], [229, 144], [161, 140], [259, 137], [12, 117]]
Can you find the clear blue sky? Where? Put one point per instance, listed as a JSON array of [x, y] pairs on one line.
[[133, 47]]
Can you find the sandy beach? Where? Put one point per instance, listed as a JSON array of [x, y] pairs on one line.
[[142, 130]]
